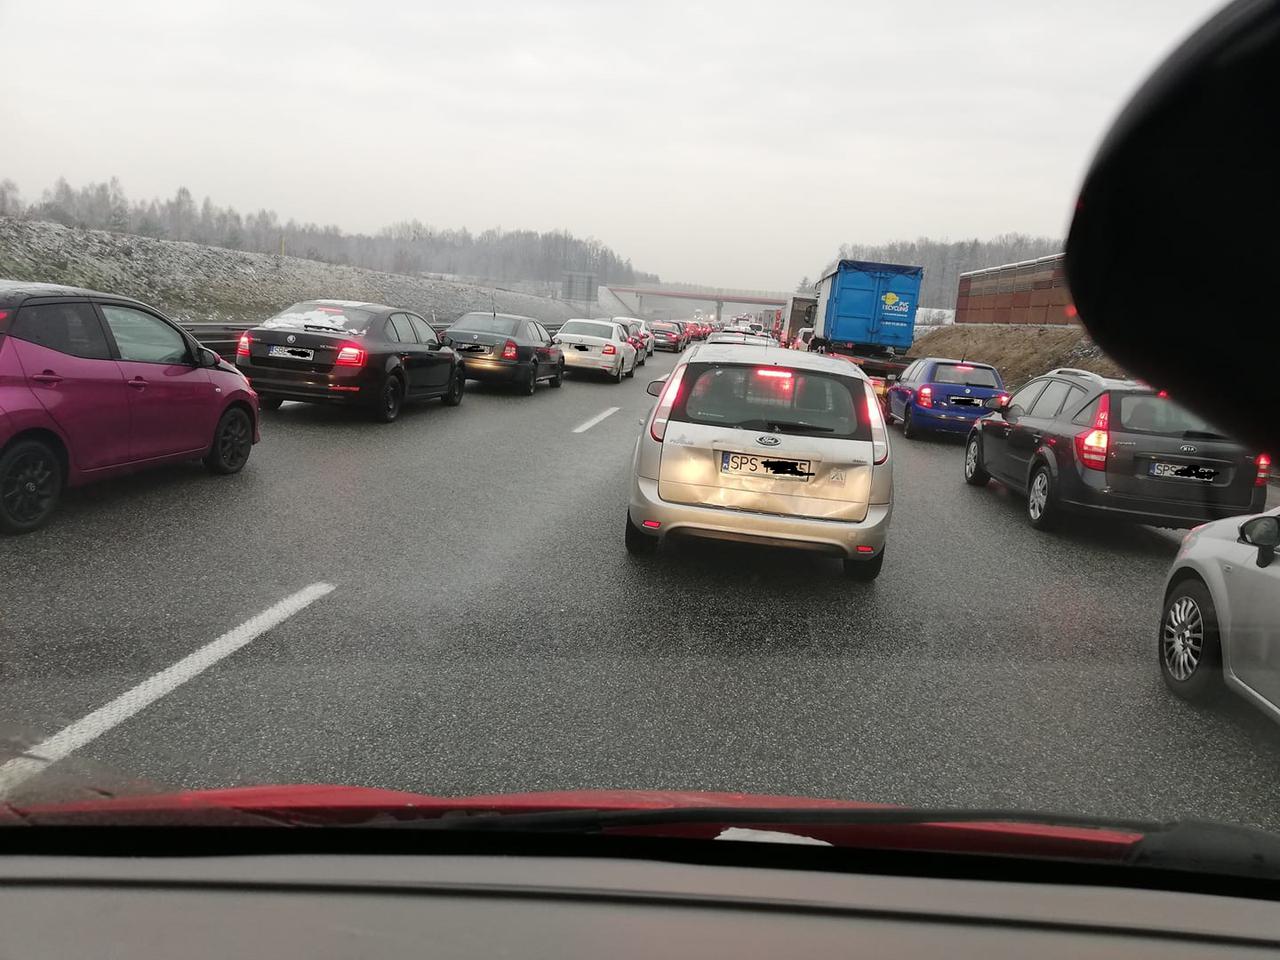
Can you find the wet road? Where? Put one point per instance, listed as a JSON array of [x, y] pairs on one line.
[[487, 632]]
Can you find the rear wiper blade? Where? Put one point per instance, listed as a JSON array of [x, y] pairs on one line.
[[780, 425], [1204, 435]]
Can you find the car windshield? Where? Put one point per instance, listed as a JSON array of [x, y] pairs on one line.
[[486, 323], [345, 317], [338, 339], [583, 328], [962, 374]]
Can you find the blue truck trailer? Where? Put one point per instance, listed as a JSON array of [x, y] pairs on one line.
[[867, 313]]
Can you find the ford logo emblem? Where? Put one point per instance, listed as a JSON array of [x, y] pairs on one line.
[[291, 339], [1188, 448], [768, 440]]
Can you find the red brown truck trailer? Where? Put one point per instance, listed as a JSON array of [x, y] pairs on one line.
[[1033, 291]]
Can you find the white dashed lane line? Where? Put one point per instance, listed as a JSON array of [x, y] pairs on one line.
[[66, 741], [584, 427]]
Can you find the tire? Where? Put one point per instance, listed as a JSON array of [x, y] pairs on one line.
[[640, 359], [457, 388], [558, 379], [909, 430], [269, 404], [632, 371], [864, 571], [616, 376], [639, 544], [529, 385], [974, 474], [30, 485], [390, 399], [1188, 646], [232, 443], [1042, 499]]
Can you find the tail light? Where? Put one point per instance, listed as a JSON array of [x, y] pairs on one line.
[[1091, 445], [1263, 463], [509, 350], [658, 425], [924, 397], [1004, 399], [609, 350], [350, 355], [242, 345], [879, 435]]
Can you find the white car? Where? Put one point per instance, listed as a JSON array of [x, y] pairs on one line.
[[638, 326], [600, 346], [803, 336], [1221, 619], [764, 445]]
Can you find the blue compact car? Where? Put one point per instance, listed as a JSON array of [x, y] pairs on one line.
[[938, 394]]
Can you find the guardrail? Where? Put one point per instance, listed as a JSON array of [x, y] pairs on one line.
[[221, 338]]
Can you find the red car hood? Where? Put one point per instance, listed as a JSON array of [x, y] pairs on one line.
[[323, 804]]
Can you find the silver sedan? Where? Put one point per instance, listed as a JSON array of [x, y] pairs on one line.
[[1221, 618]]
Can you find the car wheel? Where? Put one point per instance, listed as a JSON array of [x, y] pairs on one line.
[[640, 359], [1042, 499], [269, 403], [638, 543], [390, 399], [529, 385], [908, 428], [632, 371], [974, 474], [232, 442], [864, 570], [30, 485], [1189, 647], [616, 375], [559, 377], [457, 387]]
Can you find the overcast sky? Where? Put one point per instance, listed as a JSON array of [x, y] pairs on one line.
[[733, 144]]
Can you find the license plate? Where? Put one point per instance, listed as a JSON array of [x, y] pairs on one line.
[[581, 346], [291, 353], [1182, 471], [752, 465]]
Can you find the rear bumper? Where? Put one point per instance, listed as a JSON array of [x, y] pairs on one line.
[[672, 345], [495, 370], [835, 537], [930, 418], [579, 360], [345, 386], [1159, 513]]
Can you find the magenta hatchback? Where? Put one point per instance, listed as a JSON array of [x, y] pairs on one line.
[[93, 385]]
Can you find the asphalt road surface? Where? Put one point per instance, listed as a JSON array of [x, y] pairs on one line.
[[487, 632]]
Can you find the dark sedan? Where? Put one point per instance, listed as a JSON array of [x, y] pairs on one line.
[[505, 348], [346, 352]]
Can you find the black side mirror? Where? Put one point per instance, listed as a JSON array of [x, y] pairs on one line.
[[654, 388], [996, 403], [1191, 159], [1263, 533], [206, 357]]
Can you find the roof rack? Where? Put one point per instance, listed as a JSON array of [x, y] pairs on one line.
[[1076, 372]]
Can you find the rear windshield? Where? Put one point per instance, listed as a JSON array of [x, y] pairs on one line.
[[776, 399], [1149, 413], [328, 316], [669, 327], [485, 323], [583, 328], [966, 375]]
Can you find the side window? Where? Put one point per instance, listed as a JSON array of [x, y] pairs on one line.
[[144, 338], [1021, 401], [1089, 415], [389, 332], [542, 332], [70, 328], [910, 372], [1050, 402], [423, 330], [403, 328], [1074, 398]]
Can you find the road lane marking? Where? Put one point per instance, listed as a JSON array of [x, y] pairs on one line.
[[584, 427], [84, 731]]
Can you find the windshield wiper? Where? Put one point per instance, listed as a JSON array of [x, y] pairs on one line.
[[1204, 435], [779, 425]]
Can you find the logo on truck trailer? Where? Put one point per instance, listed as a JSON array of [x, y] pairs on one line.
[[894, 303]]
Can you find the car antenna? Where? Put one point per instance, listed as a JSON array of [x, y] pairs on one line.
[[492, 306]]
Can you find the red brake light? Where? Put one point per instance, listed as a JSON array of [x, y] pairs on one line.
[[609, 350], [879, 433], [863, 548], [651, 524], [964, 366], [350, 355], [658, 425], [1263, 463], [1004, 399], [509, 350], [776, 374], [1091, 445], [924, 396], [242, 345]]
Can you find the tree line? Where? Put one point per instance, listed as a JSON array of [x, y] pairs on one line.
[[408, 247], [945, 260]]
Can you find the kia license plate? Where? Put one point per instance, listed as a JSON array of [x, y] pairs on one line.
[[753, 465], [290, 353], [1181, 471]]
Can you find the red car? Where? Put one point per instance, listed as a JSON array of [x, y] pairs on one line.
[[93, 385]]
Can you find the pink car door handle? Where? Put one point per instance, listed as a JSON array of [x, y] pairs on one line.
[[137, 383], [47, 377]]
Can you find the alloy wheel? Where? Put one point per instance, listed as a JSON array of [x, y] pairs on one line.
[[1039, 495], [30, 486], [1182, 638], [235, 441]]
